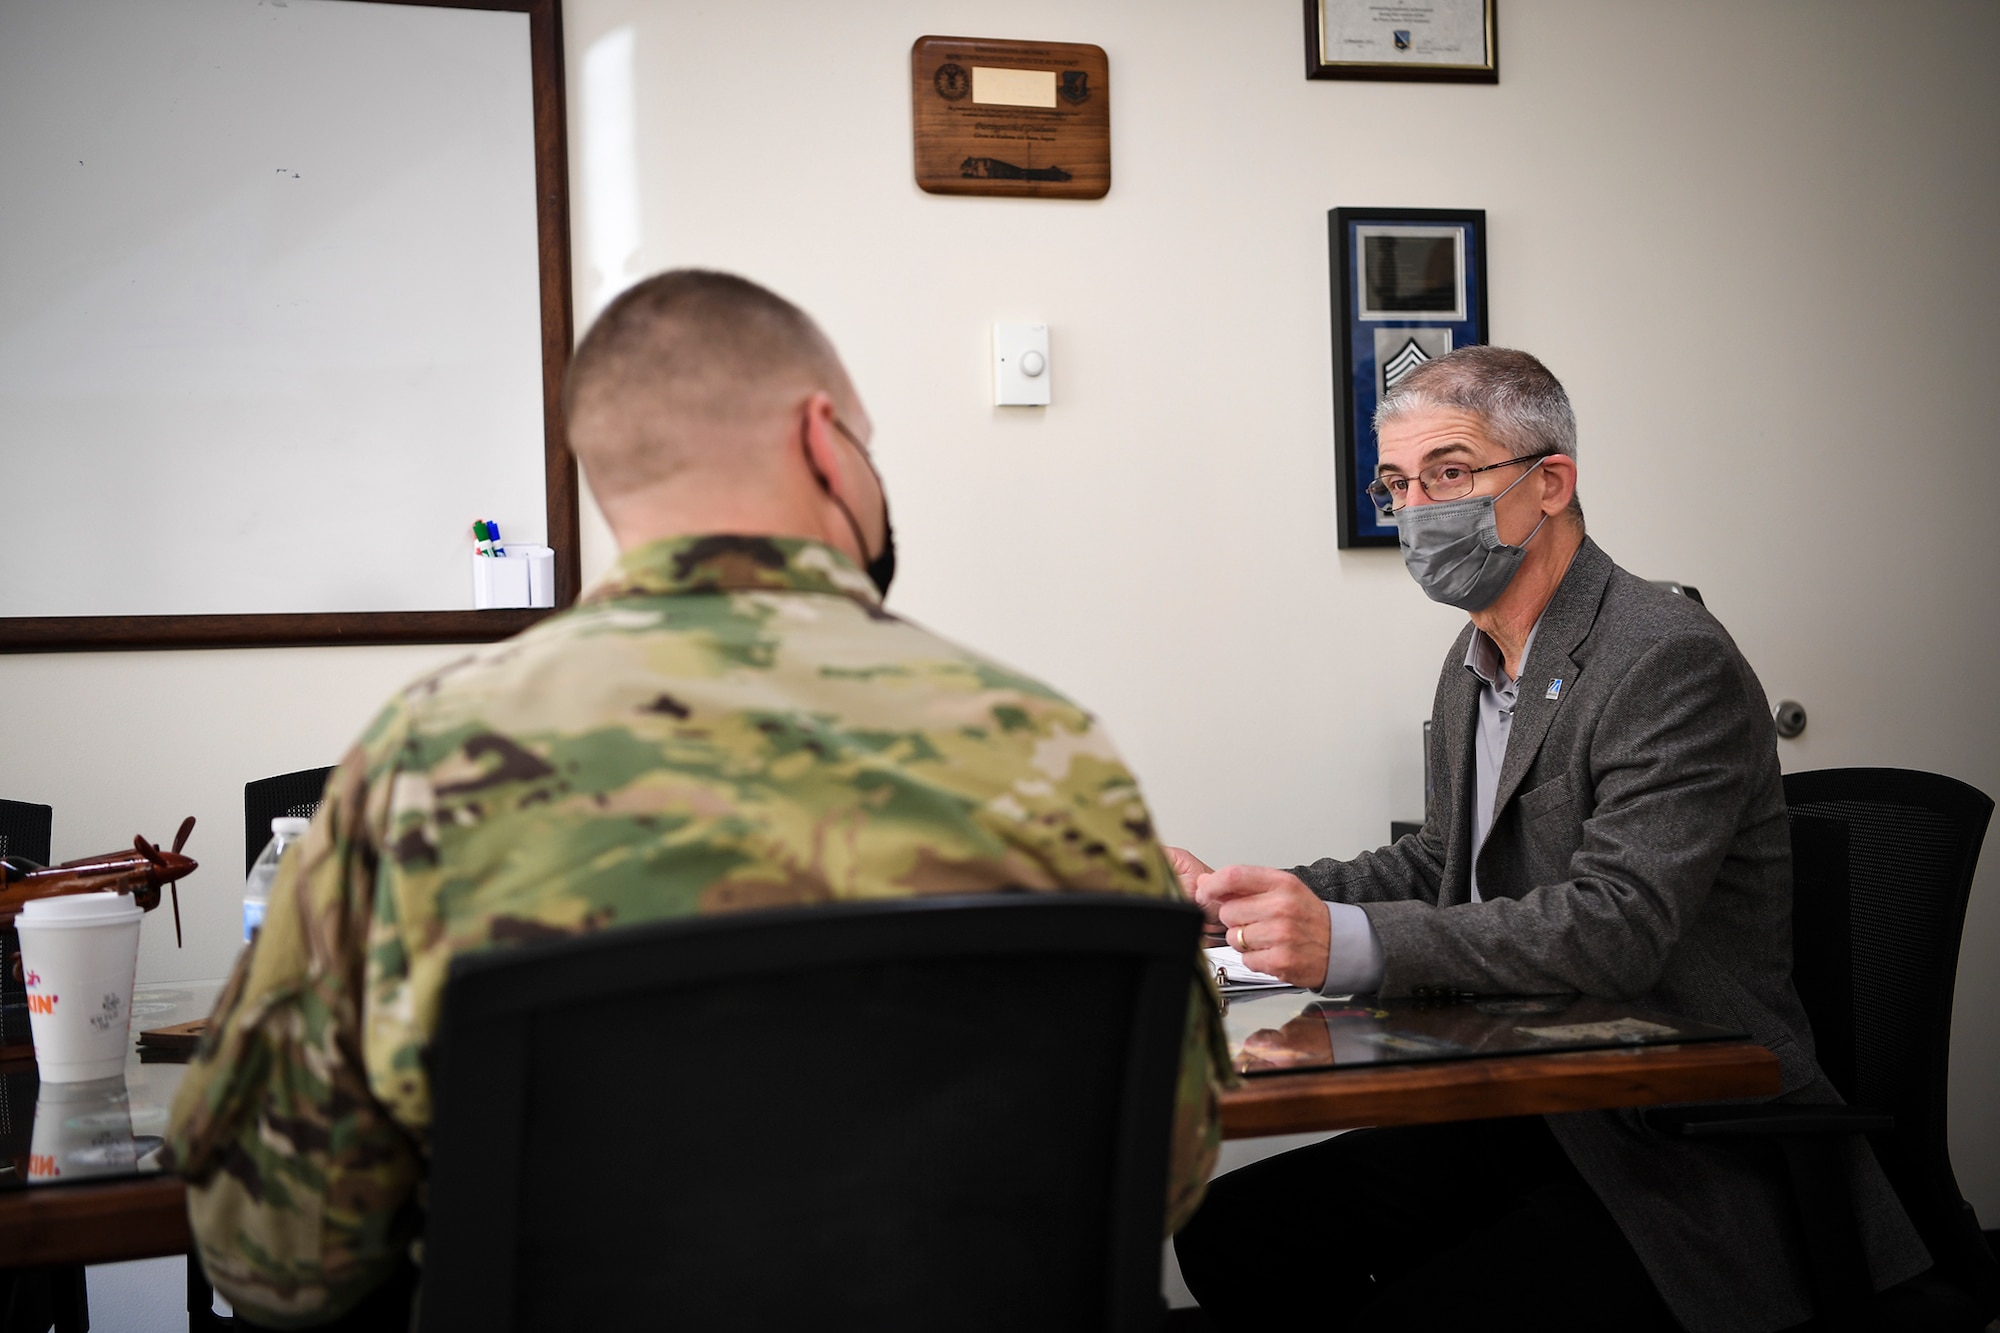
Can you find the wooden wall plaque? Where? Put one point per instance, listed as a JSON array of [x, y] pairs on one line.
[[1011, 118]]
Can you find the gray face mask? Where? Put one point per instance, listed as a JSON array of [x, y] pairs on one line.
[[1453, 550]]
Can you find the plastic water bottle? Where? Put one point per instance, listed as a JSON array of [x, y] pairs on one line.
[[257, 890]]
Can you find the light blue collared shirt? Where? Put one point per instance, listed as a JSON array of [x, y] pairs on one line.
[[1498, 693], [1354, 952]]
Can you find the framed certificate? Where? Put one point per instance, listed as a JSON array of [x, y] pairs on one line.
[[1450, 41], [1409, 285]]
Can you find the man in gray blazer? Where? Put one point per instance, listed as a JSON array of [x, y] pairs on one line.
[[1609, 820]]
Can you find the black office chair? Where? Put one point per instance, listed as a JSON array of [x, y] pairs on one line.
[[1882, 863], [1678, 589], [36, 1300], [30, 1298], [288, 795], [926, 1114], [24, 835], [24, 830]]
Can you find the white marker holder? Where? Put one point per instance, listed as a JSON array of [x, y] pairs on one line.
[[524, 577]]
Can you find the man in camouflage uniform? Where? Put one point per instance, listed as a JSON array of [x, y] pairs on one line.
[[730, 720]]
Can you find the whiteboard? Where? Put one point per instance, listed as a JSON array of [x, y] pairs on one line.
[[270, 304]]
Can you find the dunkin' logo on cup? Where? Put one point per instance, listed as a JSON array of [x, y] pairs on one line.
[[42, 1166], [38, 1004]]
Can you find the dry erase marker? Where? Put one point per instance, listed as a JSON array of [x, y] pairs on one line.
[[493, 531], [479, 543]]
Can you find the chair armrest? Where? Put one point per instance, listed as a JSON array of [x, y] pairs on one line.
[[1812, 1140], [1766, 1120]]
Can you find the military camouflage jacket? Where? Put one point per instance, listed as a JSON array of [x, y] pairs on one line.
[[725, 723]]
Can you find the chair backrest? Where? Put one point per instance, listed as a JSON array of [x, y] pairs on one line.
[[1687, 590], [922, 1114], [1882, 863], [24, 830], [294, 795]]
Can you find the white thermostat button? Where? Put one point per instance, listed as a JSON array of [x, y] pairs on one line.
[[1021, 371]]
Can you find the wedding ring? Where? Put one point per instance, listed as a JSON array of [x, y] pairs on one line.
[[1241, 947]]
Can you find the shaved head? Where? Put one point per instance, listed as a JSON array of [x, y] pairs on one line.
[[686, 373]]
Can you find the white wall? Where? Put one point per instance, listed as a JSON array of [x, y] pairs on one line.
[[125, 743], [1754, 240]]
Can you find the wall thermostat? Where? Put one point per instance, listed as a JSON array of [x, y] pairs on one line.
[[1021, 365]]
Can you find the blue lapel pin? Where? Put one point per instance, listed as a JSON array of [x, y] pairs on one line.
[[1555, 690]]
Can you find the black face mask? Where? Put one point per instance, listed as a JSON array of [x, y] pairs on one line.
[[881, 567]]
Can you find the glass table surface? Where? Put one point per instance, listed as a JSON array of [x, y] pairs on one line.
[[1288, 1031], [54, 1134]]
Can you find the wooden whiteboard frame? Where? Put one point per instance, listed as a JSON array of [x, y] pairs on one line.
[[48, 634]]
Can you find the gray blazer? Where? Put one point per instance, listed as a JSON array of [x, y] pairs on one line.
[[1639, 850]]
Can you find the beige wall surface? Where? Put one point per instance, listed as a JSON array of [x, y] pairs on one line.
[[1754, 240]]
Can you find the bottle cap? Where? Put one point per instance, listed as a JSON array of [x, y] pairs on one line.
[[290, 826]]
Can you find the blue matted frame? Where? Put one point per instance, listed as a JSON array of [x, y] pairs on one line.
[[1357, 374]]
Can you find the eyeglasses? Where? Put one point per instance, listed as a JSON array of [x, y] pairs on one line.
[[1441, 481]]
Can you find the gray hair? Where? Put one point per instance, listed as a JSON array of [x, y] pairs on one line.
[[1513, 395]]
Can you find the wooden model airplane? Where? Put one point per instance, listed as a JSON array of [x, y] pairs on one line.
[[141, 872]]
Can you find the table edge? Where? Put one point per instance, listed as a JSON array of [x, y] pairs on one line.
[[1351, 1098], [94, 1224]]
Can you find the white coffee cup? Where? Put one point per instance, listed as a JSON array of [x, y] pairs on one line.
[[80, 956], [82, 1129]]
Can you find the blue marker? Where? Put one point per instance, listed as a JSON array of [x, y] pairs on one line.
[[493, 531]]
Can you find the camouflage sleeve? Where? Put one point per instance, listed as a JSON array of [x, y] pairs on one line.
[[1205, 1071], [301, 1188], [1078, 816], [1197, 1120]]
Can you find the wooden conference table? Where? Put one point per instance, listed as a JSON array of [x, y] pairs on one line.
[[1312, 1064], [1396, 1062]]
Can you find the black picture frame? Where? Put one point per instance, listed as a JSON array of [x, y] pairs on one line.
[[1403, 70], [1395, 271]]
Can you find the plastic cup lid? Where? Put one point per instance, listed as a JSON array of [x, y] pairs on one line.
[[290, 826], [79, 907]]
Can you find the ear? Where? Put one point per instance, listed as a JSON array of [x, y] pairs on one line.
[[1558, 482], [823, 452], [847, 499]]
